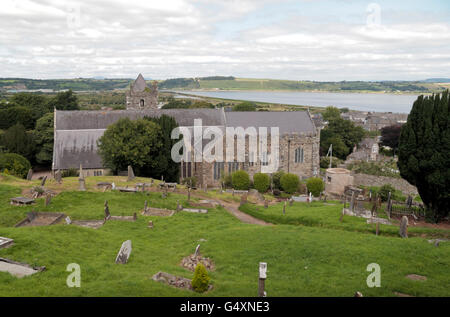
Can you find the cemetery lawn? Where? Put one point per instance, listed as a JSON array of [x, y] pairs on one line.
[[303, 260], [327, 215]]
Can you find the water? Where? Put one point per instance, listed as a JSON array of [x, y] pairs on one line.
[[355, 101]]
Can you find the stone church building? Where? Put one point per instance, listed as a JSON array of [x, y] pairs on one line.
[[76, 134]]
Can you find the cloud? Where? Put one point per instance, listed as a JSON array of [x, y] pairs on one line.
[[313, 40]]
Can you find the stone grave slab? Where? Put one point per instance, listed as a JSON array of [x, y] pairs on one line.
[[21, 201], [201, 211], [35, 219], [6, 242], [18, 269], [152, 211]]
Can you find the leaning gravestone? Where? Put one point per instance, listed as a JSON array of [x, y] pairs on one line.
[[30, 174], [68, 220], [197, 250], [130, 174], [124, 253], [43, 181], [81, 181], [404, 227], [107, 213]]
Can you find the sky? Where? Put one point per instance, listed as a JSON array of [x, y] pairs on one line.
[[320, 40]]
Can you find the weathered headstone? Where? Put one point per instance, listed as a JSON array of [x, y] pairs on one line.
[[189, 193], [197, 250], [291, 202], [409, 201], [262, 279], [30, 174], [150, 224], [179, 207], [107, 213], [352, 202], [243, 199], [130, 174], [145, 206], [388, 205], [48, 199], [124, 253], [82, 184], [266, 204], [68, 220], [43, 181], [58, 176], [404, 227], [284, 208], [134, 216]]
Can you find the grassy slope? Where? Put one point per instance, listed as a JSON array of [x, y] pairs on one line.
[[322, 215], [302, 260]]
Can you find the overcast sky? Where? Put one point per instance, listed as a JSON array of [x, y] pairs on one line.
[[301, 40]]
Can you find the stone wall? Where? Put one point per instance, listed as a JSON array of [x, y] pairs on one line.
[[373, 180]]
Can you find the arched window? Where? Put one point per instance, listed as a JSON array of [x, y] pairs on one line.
[[299, 155], [142, 103]]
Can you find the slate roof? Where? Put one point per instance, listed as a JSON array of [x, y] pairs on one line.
[[286, 121], [77, 132]]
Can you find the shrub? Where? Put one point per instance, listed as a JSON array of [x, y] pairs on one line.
[[325, 162], [276, 192], [200, 281], [190, 180], [261, 182], [14, 164], [289, 183], [315, 185], [240, 180], [276, 179], [384, 191], [71, 172], [226, 180]]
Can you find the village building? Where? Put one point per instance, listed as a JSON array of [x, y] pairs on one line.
[[76, 134]]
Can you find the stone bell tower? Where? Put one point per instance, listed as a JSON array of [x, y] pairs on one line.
[[141, 96]]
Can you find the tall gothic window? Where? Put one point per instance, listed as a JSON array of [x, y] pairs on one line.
[[299, 158]]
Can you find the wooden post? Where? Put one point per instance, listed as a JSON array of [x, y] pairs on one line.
[[378, 228], [262, 279]]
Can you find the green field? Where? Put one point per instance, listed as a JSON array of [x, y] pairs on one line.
[[319, 258]]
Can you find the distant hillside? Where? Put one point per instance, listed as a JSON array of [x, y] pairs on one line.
[[80, 84], [231, 83], [437, 80]]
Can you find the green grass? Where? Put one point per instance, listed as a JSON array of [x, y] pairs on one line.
[[302, 260], [327, 215]]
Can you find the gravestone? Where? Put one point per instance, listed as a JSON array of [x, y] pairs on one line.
[[130, 174], [134, 216], [388, 205], [189, 193], [266, 204], [243, 199], [124, 253], [179, 207], [404, 227], [352, 202], [197, 250], [43, 181], [150, 224], [80, 173], [48, 199], [284, 208], [68, 220], [107, 213], [409, 201], [145, 206], [58, 176], [82, 184], [291, 202], [30, 174]]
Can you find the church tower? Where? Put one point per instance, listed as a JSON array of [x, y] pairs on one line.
[[141, 96]]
